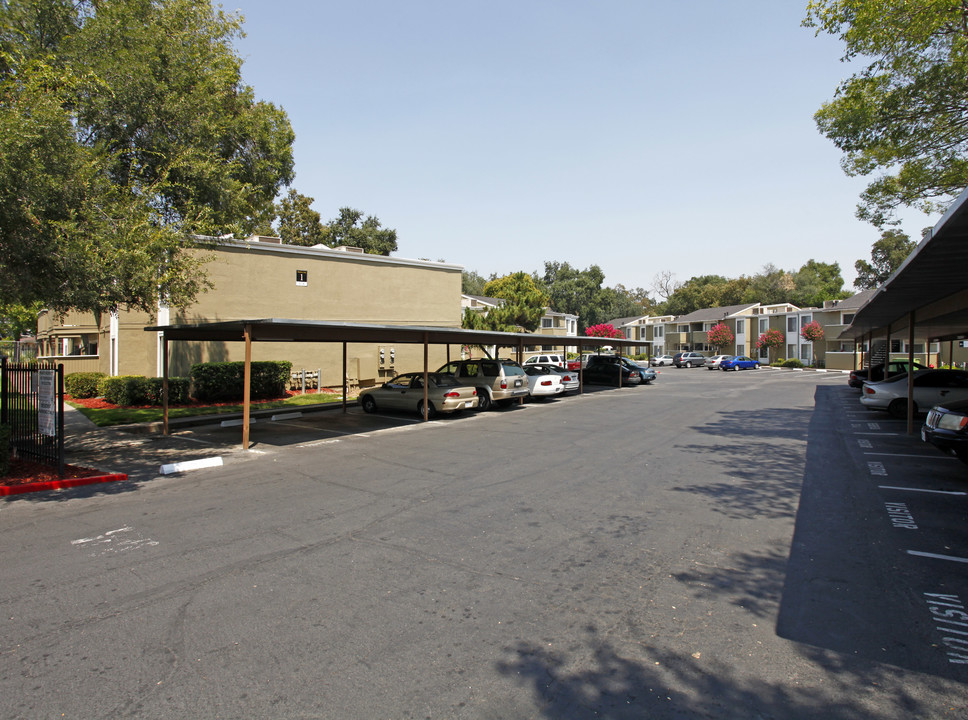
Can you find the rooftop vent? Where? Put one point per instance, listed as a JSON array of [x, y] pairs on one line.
[[268, 239]]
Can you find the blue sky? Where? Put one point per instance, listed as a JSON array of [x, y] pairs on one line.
[[636, 135]]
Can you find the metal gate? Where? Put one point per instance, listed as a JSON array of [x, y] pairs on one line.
[[32, 404]]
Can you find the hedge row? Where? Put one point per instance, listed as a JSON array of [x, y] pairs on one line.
[[213, 382], [223, 381]]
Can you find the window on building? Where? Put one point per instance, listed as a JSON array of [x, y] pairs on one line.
[[791, 351], [805, 320], [764, 325], [546, 322], [806, 352], [658, 331], [847, 318], [302, 278], [791, 325], [683, 329], [895, 345], [740, 327]]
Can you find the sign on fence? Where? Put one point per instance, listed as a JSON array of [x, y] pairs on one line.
[[47, 403]]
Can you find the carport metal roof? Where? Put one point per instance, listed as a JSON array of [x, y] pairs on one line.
[[282, 330], [932, 283]]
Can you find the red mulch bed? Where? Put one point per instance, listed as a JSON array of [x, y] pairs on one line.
[[24, 472]]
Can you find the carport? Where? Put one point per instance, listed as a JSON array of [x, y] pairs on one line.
[[282, 330], [927, 297]]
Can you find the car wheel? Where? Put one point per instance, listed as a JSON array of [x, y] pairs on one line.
[[368, 403], [483, 400], [431, 410], [898, 408]]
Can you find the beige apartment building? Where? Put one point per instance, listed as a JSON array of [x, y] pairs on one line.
[[262, 278]]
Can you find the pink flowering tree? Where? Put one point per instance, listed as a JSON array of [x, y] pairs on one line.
[[771, 340], [812, 332], [720, 336], [603, 330]]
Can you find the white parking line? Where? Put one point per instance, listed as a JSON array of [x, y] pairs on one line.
[[939, 456], [910, 489], [952, 558]]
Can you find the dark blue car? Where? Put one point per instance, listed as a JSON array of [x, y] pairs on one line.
[[740, 362]]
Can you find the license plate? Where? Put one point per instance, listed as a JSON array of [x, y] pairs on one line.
[[468, 404], [517, 383]]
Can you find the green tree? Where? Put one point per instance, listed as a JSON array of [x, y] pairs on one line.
[[887, 254], [299, 224], [352, 229], [771, 286], [816, 282], [902, 115], [125, 129], [524, 302], [17, 320], [705, 291], [472, 283]]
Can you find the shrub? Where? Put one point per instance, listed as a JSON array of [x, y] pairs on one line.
[[177, 390], [83, 384], [4, 449], [223, 381], [124, 390], [791, 363]]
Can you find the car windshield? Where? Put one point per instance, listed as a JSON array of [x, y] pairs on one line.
[[511, 369], [443, 380]]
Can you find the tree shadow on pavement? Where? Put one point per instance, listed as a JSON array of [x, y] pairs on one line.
[[599, 681]]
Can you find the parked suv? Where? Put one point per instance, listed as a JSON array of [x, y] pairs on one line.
[[546, 360], [691, 359], [496, 381]]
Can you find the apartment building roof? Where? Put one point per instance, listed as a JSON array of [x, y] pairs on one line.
[[717, 313]]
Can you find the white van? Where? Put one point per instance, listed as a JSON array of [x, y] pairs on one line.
[[547, 359]]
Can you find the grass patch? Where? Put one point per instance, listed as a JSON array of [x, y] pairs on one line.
[[103, 417]]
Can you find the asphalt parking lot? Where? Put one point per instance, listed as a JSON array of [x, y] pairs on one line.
[[715, 545]]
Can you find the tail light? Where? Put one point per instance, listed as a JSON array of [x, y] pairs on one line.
[[504, 384], [546, 382], [868, 390], [451, 394], [474, 393]]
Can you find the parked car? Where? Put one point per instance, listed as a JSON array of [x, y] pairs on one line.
[[547, 359], [857, 378], [406, 392], [931, 387], [947, 428], [645, 372], [712, 363], [606, 370], [496, 381], [739, 362], [543, 383], [689, 359], [661, 360], [569, 378]]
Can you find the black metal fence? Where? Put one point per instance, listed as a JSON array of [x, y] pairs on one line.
[[32, 404]]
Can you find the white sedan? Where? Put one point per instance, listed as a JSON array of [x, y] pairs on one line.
[[931, 387], [661, 360], [712, 363], [542, 383]]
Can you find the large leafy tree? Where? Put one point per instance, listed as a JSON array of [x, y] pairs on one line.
[[299, 224], [902, 114], [816, 282], [887, 254], [125, 130], [353, 229], [524, 302]]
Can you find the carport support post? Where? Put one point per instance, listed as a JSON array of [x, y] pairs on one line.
[[164, 381], [345, 384], [246, 387], [520, 360], [887, 356], [426, 343], [910, 403]]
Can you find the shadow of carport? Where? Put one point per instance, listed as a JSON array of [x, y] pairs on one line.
[[283, 330]]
